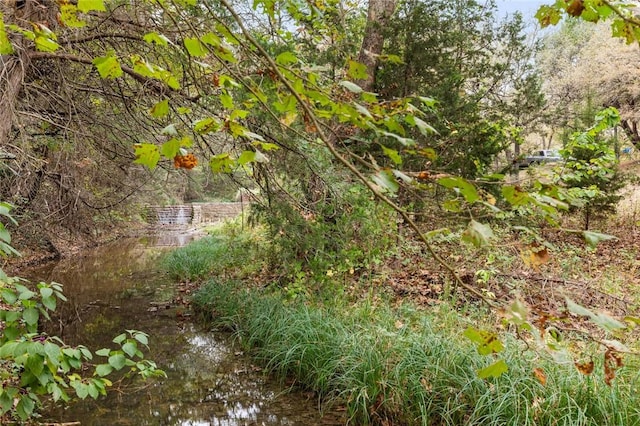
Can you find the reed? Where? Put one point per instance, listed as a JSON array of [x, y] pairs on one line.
[[401, 366]]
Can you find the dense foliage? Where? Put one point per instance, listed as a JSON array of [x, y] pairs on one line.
[[343, 143]]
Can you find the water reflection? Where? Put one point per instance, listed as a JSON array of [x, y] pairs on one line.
[[209, 382]]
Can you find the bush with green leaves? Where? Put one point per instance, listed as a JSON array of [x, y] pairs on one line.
[[351, 232], [34, 365], [590, 172]]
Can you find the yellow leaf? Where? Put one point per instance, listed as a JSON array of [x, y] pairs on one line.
[[289, 118], [535, 255]]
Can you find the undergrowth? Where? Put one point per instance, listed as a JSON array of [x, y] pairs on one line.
[[227, 252], [406, 366], [390, 363]]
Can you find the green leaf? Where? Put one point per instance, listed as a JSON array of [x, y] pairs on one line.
[[45, 44], [357, 71], [477, 234], [547, 15], [52, 351], [11, 332], [514, 196], [93, 390], [195, 47], [246, 157], [392, 154], [267, 5], [141, 337], [169, 79], [103, 352], [362, 110], [141, 66], [120, 338], [454, 206], [31, 316], [147, 154], [211, 39], [593, 238], [352, 87], [574, 308], [46, 291], [50, 302], [85, 352], [266, 146], [6, 401], [227, 34], [385, 180], [171, 148], [82, 390], [5, 45], [393, 126], [89, 5], [35, 364], [56, 392], [108, 66], [494, 370], [160, 109], [288, 104], [153, 37], [117, 361], [603, 321], [72, 352], [4, 234], [422, 126], [286, 58], [403, 141], [25, 407], [207, 125], [9, 296], [25, 293], [608, 323], [227, 101], [487, 342], [221, 163], [461, 186], [69, 16], [130, 348]]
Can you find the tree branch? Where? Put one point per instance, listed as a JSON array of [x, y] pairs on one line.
[[99, 37], [156, 85], [346, 163]]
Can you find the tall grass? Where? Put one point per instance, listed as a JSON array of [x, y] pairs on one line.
[[410, 368], [226, 254]]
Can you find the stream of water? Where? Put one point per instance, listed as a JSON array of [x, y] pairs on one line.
[[210, 382]]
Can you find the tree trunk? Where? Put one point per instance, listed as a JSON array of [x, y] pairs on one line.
[[631, 130], [378, 16], [13, 73], [14, 68]]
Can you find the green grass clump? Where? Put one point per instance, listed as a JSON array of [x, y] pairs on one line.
[[402, 366], [226, 254]]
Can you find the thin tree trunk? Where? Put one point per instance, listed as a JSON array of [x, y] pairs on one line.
[[378, 15], [12, 73], [631, 130], [14, 68]]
